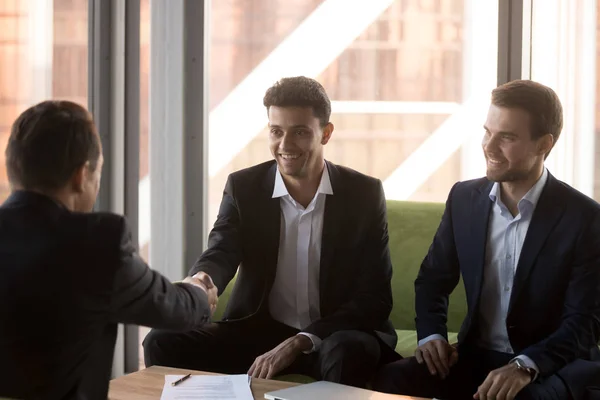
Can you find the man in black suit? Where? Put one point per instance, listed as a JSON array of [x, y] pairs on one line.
[[310, 238], [68, 276], [528, 248]]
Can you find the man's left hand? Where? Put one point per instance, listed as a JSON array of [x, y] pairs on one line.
[[273, 362], [503, 383]]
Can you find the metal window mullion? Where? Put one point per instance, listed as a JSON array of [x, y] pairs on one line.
[[178, 133], [510, 38], [196, 53], [114, 102], [132, 151]]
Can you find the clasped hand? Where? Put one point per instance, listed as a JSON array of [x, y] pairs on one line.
[[203, 281]]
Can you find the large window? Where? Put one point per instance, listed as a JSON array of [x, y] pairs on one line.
[[43, 55], [407, 79], [144, 227], [564, 56], [144, 188]]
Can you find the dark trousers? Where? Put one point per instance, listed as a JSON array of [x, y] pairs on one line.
[[230, 347], [408, 377]]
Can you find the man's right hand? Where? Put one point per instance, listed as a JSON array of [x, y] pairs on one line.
[[203, 281], [439, 356]]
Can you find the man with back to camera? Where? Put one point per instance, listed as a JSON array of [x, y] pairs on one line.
[[69, 276], [313, 291], [528, 248]]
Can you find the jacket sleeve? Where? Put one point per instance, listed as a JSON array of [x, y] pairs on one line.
[[143, 296], [438, 276], [224, 253]]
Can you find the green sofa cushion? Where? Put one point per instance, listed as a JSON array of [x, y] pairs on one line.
[[411, 227]]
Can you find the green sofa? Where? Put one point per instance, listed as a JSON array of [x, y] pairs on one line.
[[411, 228]]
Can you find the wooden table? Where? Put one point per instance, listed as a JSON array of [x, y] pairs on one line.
[[148, 384]]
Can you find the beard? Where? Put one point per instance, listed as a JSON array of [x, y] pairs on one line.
[[509, 175]]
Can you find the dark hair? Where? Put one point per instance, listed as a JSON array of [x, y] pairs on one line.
[[300, 91], [48, 143], [541, 103]]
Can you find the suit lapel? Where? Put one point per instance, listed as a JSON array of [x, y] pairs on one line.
[[480, 216], [270, 219], [547, 213], [331, 227]]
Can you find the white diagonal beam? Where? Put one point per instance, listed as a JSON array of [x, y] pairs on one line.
[[464, 126], [436, 149], [41, 26], [308, 51]]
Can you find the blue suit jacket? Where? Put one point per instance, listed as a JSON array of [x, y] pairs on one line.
[[554, 311]]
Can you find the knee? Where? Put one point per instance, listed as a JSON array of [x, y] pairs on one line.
[[157, 347], [401, 377], [358, 347], [385, 380], [154, 338], [349, 357]]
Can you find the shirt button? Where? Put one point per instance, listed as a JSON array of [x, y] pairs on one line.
[[507, 288], [508, 256]]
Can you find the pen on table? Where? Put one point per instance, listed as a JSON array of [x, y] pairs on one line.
[[178, 381]]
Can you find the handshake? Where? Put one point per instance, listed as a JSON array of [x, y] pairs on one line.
[[203, 281]]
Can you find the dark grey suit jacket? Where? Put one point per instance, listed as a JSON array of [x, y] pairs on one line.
[[66, 281], [355, 271]]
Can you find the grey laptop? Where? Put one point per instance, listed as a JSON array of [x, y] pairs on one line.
[[328, 391]]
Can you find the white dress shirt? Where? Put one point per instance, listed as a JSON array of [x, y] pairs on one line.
[[506, 235], [294, 297]]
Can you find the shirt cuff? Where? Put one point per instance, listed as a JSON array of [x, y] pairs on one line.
[[435, 336], [529, 363], [316, 341]]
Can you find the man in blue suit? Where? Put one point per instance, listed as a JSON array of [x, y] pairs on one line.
[[528, 248]]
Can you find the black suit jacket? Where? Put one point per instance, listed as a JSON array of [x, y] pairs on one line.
[[554, 310], [355, 271], [66, 281]]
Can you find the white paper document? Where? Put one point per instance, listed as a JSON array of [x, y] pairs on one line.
[[208, 387]]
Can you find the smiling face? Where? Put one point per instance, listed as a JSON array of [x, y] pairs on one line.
[[296, 140], [510, 152]]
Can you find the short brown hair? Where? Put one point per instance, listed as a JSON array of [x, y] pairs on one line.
[[48, 143], [300, 91], [541, 103]]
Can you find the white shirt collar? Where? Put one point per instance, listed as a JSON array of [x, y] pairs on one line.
[[532, 196], [279, 190]]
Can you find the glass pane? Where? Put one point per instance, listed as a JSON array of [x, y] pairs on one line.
[[564, 56], [407, 79], [144, 186], [43, 55]]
